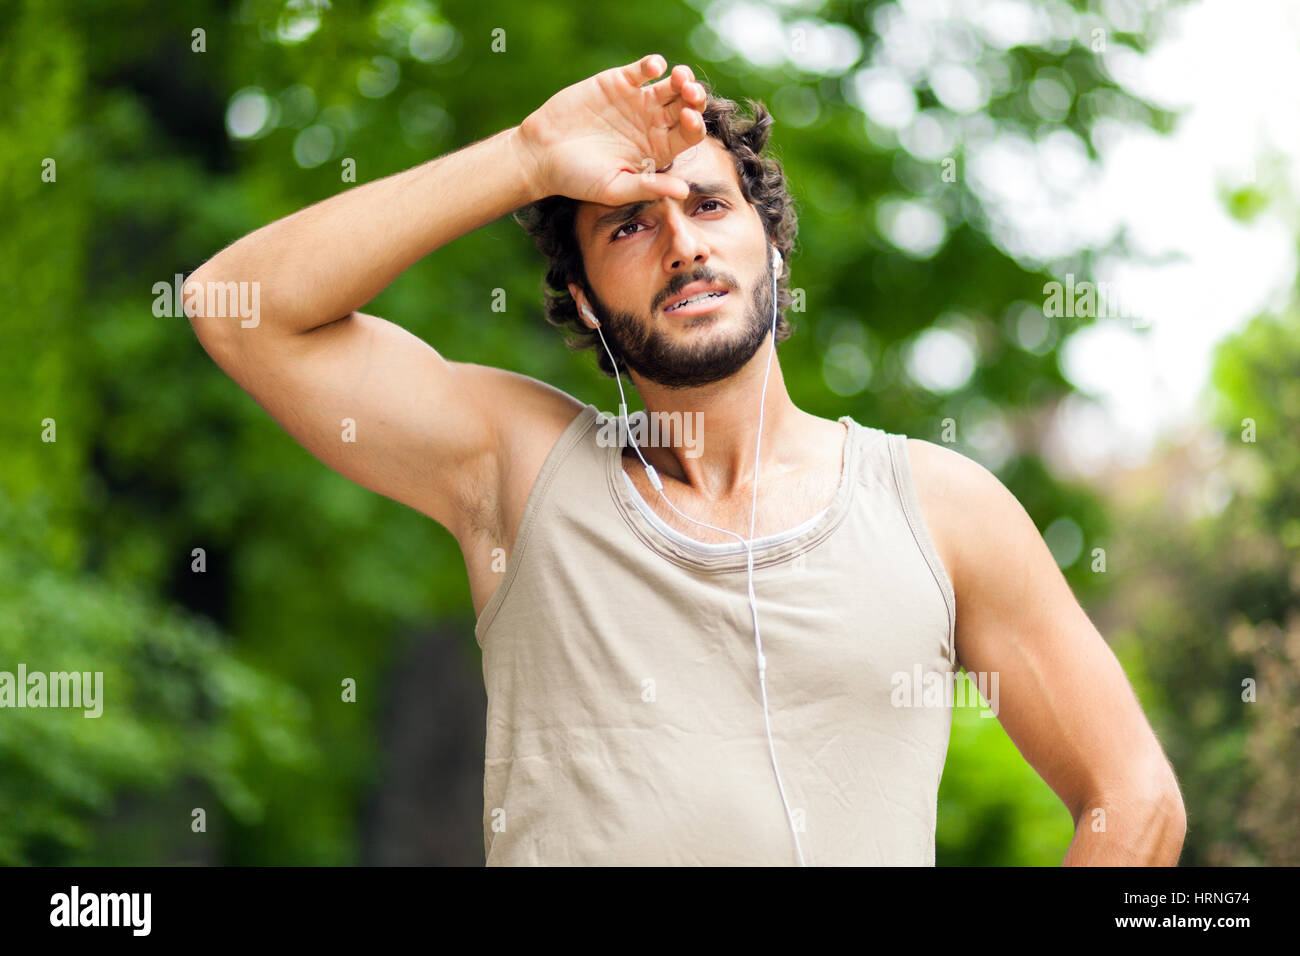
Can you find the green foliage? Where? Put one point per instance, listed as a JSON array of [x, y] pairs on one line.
[[310, 579], [172, 704], [994, 810], [1213, 606]]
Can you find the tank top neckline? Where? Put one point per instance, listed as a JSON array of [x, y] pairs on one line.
[[778, 548]]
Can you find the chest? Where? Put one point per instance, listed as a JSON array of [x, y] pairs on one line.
[[783, 503]]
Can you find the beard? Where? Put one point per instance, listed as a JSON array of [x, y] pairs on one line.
[[653, 354]]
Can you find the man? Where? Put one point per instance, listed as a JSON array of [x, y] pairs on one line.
[[627, 721]]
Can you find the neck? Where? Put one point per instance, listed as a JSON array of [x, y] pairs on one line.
[[718, 463]]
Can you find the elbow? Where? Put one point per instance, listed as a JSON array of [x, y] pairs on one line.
[[194, 306], [1167, 815], [1144, 810], [1168, 830], [218, 309], [1167, 791], [1177, 813], [194, 299]]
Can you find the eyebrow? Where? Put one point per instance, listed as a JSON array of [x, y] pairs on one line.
[[631, 210]]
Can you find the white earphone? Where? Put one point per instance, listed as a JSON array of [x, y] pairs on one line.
[[653, 476]]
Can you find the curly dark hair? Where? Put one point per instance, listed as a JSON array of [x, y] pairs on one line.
[[550, 221]]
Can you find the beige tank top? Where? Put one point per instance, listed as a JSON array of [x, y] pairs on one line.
[[625, 721]]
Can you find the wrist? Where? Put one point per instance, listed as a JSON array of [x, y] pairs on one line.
[[526, 161]]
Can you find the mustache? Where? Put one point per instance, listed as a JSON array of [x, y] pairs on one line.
[[680, 282]]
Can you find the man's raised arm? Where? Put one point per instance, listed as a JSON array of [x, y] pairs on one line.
[[328, 260], [369, 399]]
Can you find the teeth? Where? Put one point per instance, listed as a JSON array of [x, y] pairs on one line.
[[699, 297]]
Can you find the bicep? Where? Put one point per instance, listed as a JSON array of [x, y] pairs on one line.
[[1063, 697]]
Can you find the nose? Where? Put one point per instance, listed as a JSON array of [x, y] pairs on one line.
[[685, 248]]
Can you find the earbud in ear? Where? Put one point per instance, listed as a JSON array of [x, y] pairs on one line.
[[587, 312], [776, 259]]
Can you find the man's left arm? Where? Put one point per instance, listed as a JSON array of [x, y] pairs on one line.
[[1063, 697]]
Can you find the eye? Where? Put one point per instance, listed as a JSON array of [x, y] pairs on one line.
[[614, 236]]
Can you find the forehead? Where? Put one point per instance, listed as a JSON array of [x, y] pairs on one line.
[[707, 163]]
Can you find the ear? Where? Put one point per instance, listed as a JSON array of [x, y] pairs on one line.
[[580, 301]]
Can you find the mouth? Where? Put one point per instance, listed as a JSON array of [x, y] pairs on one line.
[[697, 304]]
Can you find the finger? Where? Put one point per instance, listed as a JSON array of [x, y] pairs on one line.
[[678, 83], [680, 86], [634, 187], [663, 184], [647, 68], [687, 132]]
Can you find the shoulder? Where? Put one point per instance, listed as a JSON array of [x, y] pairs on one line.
[[970, 513], [943, 473]]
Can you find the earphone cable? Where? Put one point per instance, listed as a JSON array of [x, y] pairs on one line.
[[749, 545]]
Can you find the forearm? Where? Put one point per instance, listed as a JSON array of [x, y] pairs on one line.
[[323, 262], [1129, 830]]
